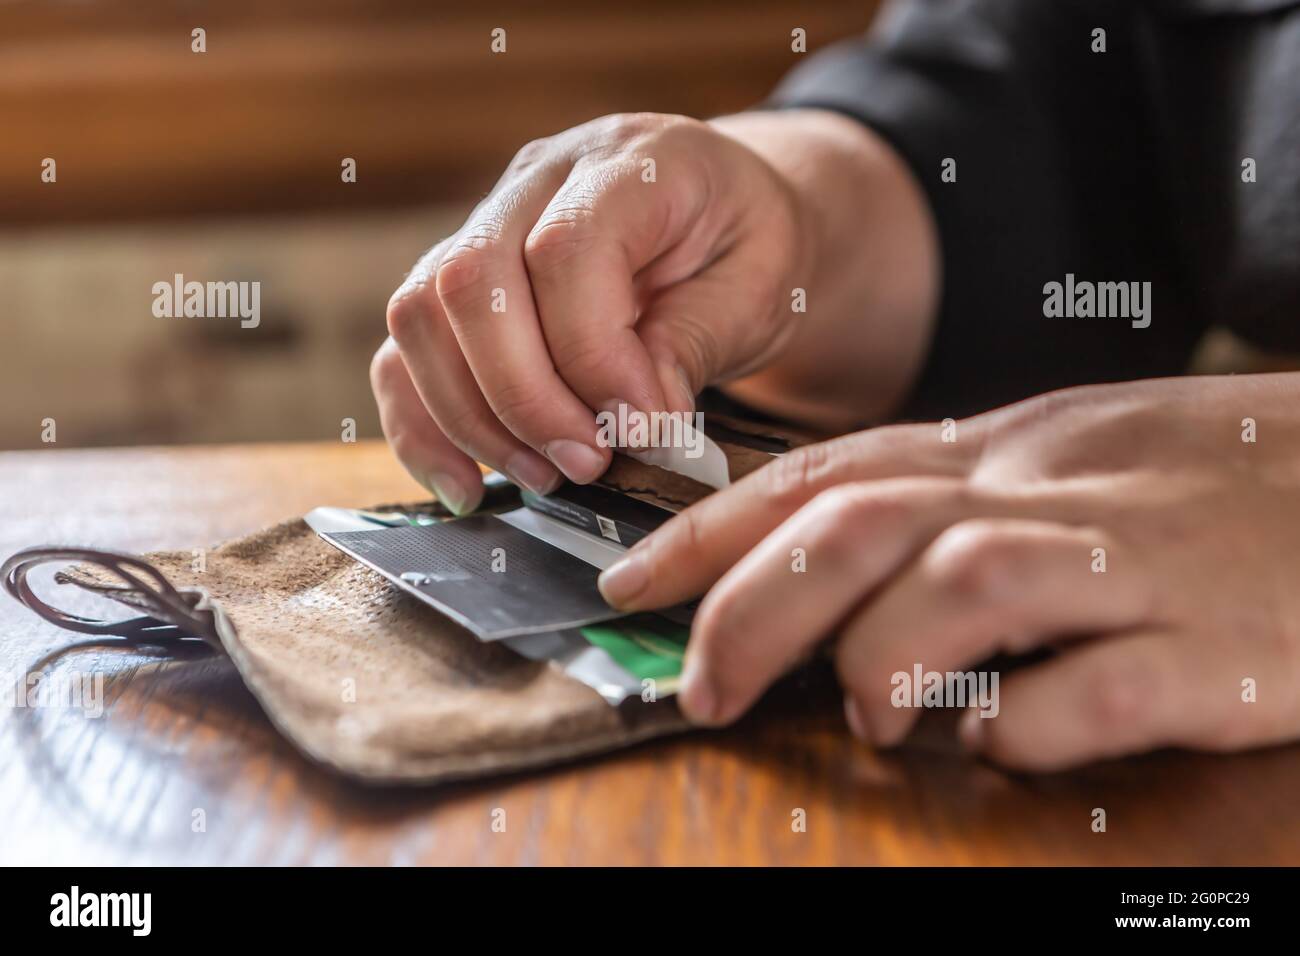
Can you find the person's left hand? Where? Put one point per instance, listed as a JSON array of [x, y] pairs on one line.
[[1131, 527]]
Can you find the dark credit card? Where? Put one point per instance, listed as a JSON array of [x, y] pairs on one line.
[[484, 574], [600, 511]]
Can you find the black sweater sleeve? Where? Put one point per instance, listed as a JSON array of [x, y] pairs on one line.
[[1051, 147]]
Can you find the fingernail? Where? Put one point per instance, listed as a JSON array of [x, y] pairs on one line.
[[580, 463], [451, 493], [853, 717], [696, 698], [622, 582], [534, 473], [971, 731]]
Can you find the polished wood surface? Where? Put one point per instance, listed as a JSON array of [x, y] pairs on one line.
[[183, 736]]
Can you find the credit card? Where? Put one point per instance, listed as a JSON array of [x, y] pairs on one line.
[[647, 647], [618, 659], [599, 511], [483, 573], [633, 657]]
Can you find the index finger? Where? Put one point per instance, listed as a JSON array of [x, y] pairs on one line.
[[687, 555], [761, 618], [484, 288]]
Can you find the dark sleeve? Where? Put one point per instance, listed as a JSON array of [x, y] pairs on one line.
[[1054, 170]]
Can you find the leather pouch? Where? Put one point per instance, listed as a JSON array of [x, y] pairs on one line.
[[360, 676], [357, 674]]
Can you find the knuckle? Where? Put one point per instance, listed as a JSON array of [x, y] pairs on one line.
[[696, 348], [519, 405], [832, 517], [463, 270], [408, 310], [532, 154], [976, 560], [581, 359], [385, 364], [620, 135], [565, 236], [680, 134], [794, 477], [406, 447], [622, 127], [461, 424], [841, 518], [630, 127]]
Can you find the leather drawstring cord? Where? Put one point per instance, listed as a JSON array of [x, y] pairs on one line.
[[173, 615]]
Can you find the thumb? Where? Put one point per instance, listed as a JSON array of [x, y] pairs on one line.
[[703, 331]]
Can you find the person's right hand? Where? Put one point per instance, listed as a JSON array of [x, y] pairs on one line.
[[633, 259]]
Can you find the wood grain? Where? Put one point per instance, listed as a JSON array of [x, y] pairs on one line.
[[183, 735], [141, 127]]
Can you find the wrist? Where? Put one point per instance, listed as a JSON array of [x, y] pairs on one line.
[[868, 260], [796, 163]]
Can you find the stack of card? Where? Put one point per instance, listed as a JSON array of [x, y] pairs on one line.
[[523, 579], [526, 576], [619, 659]]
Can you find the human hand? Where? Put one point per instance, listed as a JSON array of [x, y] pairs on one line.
[[631, 260], [1130, 527]]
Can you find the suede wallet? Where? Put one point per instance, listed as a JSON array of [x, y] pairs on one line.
[[359, 675]]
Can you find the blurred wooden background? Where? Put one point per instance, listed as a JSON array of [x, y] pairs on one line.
[[142, 126], [225, 165]]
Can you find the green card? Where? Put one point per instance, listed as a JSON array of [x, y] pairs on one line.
[[645, 646]]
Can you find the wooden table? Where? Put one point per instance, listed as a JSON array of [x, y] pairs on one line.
[[181, 736]]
